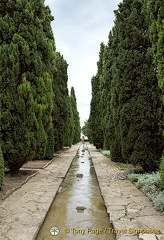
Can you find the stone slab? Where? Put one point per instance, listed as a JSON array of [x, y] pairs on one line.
[[160, 237], [147, 236], [126, 237]]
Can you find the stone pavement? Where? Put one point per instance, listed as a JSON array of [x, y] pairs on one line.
[[23, 212], [129, 209]]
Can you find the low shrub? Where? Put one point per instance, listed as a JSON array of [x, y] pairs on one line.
[[149, 182], [151, 185], [158, 200], [134, 177]]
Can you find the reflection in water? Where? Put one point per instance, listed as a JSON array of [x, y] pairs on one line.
[[92, 222]]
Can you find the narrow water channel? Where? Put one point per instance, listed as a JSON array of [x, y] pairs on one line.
[[79, 189]]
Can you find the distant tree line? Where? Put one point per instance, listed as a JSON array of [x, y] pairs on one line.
[[38, 116], [126, 113]]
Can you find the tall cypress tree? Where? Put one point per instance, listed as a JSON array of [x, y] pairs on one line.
[[156, 8], [76, 120], [68, 137], [95, 118], [137, 105], [61, 106], [25, 83], [93, 105], [107, 122]]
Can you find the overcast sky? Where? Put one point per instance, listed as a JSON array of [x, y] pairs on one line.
[[79, 28]]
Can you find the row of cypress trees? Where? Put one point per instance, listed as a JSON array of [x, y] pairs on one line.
[[36, 109], [126, 108]]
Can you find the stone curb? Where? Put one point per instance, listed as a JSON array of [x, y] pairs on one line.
[[26, 180], [129, 209], [21, 184]]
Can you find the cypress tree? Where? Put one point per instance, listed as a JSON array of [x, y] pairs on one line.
[[137, 105], [76, 120], [93, 105], [85, 128], [68, 137], [94, 135], [156, 9], [49, 153], [104, 99], [95, 118], [61, 105], [25, 83], [107, 122]]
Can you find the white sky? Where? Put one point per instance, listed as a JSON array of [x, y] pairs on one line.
[[79, 28]]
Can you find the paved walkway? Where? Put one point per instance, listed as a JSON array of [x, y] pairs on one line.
[[23, 212], [129, 209]]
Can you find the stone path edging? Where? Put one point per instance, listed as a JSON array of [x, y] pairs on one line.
[[128, 207], [26, 180]]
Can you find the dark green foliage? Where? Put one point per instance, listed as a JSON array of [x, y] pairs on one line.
[[162, 172], [95, 117], [1, 170], [68, 138], [105, 97], [139, 106], [85, 128], [109, 117], [126, 96], [25, 79], [75, 118], [61, 111], [156, 8], [96, 131], [49, 153]]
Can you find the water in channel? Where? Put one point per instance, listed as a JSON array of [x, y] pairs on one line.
[[79, 188]]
